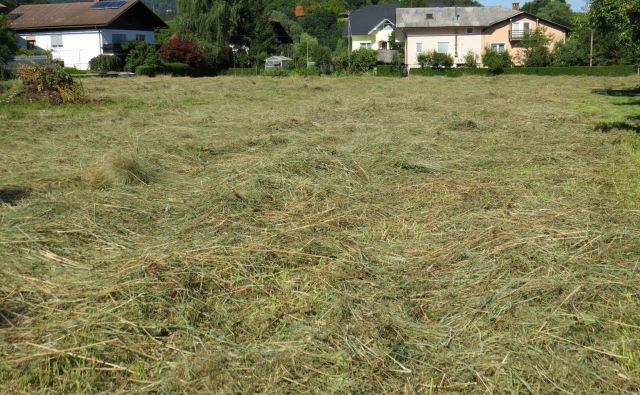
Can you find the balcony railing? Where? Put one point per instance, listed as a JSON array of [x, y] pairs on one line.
[[386, 55], [517, 34], [112, 49]]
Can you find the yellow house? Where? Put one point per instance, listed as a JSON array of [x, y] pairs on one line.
[[460, 30], [370, 26]]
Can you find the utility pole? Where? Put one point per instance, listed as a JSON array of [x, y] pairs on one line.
[[591, 50], [349, 39]]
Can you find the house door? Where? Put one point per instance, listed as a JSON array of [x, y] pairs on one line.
[[382, 45]]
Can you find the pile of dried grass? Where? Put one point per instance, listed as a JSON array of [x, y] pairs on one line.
[[117, 169]]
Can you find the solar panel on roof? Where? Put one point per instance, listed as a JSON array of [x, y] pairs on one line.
[[101, 5]]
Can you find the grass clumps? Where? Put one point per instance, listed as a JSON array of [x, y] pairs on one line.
[[117, 170]]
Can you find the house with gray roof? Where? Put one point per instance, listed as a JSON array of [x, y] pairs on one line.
[[370, 26], [460, 31]]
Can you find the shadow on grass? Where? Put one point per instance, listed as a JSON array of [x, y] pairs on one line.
[[628, 92], [632, 122]]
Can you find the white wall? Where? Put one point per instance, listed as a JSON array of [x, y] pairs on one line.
[[431, 37], [80, 46]]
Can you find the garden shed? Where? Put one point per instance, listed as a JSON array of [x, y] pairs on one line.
[[276, 62]]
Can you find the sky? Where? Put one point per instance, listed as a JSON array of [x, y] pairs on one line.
[[576, 5]]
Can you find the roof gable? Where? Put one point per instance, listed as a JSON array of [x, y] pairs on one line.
[[366, 19], [526, 14], [133, 14]]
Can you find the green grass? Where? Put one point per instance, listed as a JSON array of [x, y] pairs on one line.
[[363, 235]]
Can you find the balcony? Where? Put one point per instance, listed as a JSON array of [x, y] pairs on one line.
[[112, 49], [517, 35]]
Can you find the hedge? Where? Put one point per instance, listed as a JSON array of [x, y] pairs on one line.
[[242, 71], [386, 70], [177, 69], [612, 71], [149, 71], [620, 70]]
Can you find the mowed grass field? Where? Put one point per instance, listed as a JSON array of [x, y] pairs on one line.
[[322, 235]]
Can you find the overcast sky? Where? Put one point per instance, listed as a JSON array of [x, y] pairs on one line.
[[576, 5]]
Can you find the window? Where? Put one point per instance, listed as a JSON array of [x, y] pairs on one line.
[[118, 38], [443, 47], [140, 37], [387, 25], [429, 16], [469, 30], [31, 43], [498, 47], [418, 47], [365, 45], [56, 41], [526, 26]]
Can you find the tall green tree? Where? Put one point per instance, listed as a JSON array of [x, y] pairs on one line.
[[215, 24], [8, 43], [557, 11], [536, 48], [621, 17]]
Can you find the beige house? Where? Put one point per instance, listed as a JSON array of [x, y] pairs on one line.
[[460, 30]]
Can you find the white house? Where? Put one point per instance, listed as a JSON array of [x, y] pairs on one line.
[[77, 32]]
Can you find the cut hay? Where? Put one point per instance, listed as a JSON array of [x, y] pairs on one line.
[[297, 244], [117, 169]]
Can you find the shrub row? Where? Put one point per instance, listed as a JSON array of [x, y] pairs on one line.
[[548, 71], [612, 71]]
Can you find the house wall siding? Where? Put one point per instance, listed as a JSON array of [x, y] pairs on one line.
[[78, 46], [430, 37], [476, 41], [374, 39], [499, 33]]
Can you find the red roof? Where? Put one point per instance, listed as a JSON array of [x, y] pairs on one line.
[[71, 15]]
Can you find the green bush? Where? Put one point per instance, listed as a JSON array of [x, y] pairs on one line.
[[611, 71], [105, 63], [276, 72], [496, 61], [149, 71], [536, 50], [73, 70], [387, 70], [471, 59], [547, 71], [363, 60], [451, 72], [32, 52], [435, 60], [177, 69], [242, 71], [140, 53], [49, 82], [307, 71]]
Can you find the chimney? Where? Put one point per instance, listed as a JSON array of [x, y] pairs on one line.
[[515, 6]]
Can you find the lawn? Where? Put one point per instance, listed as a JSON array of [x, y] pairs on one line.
[[352, 235]]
